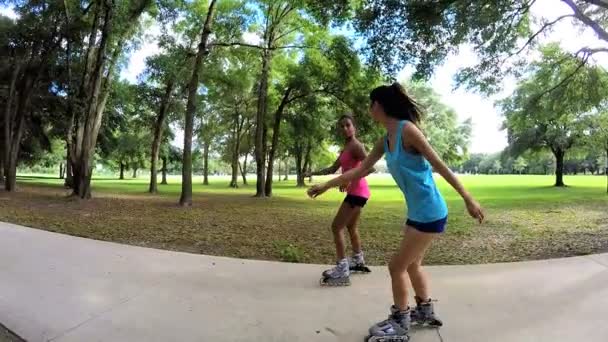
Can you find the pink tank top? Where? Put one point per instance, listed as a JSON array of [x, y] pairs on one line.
[[357, 187]]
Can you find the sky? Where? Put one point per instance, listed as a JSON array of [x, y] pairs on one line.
[[487, 136]]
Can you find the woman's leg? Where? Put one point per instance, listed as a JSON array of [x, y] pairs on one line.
[[353, 230], [419, 279], [413, 246], [340, 221]]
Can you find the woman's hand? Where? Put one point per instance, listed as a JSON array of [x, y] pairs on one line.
[[344, 186], [317, 190], [475, 210]]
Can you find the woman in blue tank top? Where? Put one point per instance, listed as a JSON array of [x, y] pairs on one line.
[[411, 161]]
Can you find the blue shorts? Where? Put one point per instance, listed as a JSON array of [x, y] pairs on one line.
[[429, 227]]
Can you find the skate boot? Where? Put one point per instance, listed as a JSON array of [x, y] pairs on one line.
[[424, 314], [395, 329], [357, 264], [337, 276]]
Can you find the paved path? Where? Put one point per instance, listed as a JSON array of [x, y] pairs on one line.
[[61, 288]]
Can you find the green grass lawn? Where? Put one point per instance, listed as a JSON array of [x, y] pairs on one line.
[[527, 218]]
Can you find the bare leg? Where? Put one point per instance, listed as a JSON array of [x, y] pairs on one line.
[[413, 247], [419, 279], [342, 218], [355, 241]]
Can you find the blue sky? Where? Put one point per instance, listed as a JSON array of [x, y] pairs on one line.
[[487, 136]]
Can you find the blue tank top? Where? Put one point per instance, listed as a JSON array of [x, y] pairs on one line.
[[414, 176]]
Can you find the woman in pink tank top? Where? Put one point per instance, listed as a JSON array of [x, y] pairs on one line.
[[357, 194]]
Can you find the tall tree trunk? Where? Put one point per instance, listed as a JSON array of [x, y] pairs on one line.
[[237, 138], [286, 170], [299, 156], [8, 123], [122, 171], [186, 196], [260, 129], [279, 170], [206, 163], [306, 161], [278, 117], [2, 166], [606, 170], [16, 126], [98, 75], [244, 169], [158, 135], [134, 172], [69, 179], [11, 172], [164, 171], [60, 170], [559, 166]]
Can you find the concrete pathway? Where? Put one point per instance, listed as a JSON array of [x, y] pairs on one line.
[[56, 287]]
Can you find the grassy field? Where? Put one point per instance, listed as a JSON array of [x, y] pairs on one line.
[[527, 218]]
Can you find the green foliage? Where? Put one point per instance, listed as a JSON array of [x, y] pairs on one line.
[[537, 119], [288, 252]]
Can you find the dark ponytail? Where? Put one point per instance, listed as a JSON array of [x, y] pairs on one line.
[[396, 103]]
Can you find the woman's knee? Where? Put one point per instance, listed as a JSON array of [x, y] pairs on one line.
[[396, 267], [414, 268]]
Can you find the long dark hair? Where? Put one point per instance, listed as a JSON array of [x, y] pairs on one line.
[[397, 103], [348, 116]]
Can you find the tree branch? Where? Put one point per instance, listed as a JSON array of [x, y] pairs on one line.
[[263, 48], [567, 78], [600, 3], [543, 28], [599, 30]]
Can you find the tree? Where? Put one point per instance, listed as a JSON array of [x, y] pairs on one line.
[[282, 22], [520, 165], [536, 119], [500, 32], [30, 45], [193, 86], [599, 135], [112, 25]]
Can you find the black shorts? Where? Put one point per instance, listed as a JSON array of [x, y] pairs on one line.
[[355, 201]]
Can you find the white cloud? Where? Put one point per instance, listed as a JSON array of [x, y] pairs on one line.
[[251, 38], [8, 12]]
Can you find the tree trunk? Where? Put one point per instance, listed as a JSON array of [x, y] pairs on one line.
[[60, 170], [244, 169], [94, 92], [278, 117], [186, 196], [159, 125], [134, 172], [559, 167], [164, 171], [606, 170], [2, 166], [206, 163], [16, 126], [306, 162], [279, 170], [69, 179], [286, 170], [8, 125], [235, 164], [260, 143], [98, 75], [299, 167], [122, 171]]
